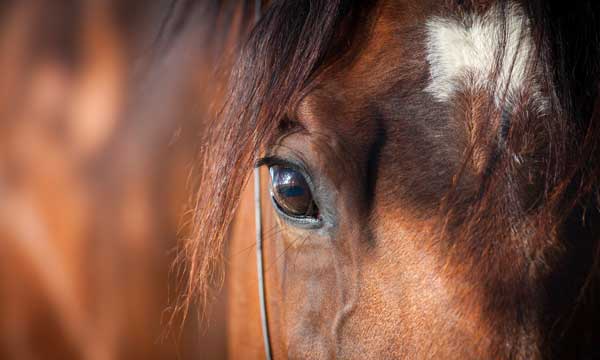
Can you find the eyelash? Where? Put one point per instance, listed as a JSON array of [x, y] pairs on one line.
[[275, 160]]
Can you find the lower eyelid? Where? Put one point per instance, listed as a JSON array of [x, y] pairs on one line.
[[302, 222]]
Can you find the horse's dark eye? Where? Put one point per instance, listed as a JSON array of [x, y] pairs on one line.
[[292, 193]]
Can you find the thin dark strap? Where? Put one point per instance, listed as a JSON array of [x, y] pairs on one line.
[[260, 267], [259, 238], [257, 10]]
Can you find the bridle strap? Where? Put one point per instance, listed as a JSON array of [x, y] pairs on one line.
[[259, 238], [259, 265], [257, 11]]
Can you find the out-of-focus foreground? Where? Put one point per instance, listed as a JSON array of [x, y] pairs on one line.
[[97, 139]]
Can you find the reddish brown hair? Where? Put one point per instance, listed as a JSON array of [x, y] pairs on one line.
[[296, 39]]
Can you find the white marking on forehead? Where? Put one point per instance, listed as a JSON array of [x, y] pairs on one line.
[[463, 52]]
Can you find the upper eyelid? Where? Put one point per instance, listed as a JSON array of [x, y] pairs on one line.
[[273, 160], [269, 160]]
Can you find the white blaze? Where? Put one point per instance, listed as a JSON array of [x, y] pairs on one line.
[[464, 52]]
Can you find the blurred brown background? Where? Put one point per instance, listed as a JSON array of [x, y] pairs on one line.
[[99, 130]]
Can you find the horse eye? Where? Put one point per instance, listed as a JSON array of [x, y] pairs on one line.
[[291, 193]]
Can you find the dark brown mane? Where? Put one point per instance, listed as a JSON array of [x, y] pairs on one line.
[[293, 42]]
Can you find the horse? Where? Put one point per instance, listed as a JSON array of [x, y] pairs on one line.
[[427, 178], [94, 178]]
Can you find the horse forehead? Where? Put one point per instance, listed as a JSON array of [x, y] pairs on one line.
[[472, 49], [443, 55]]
